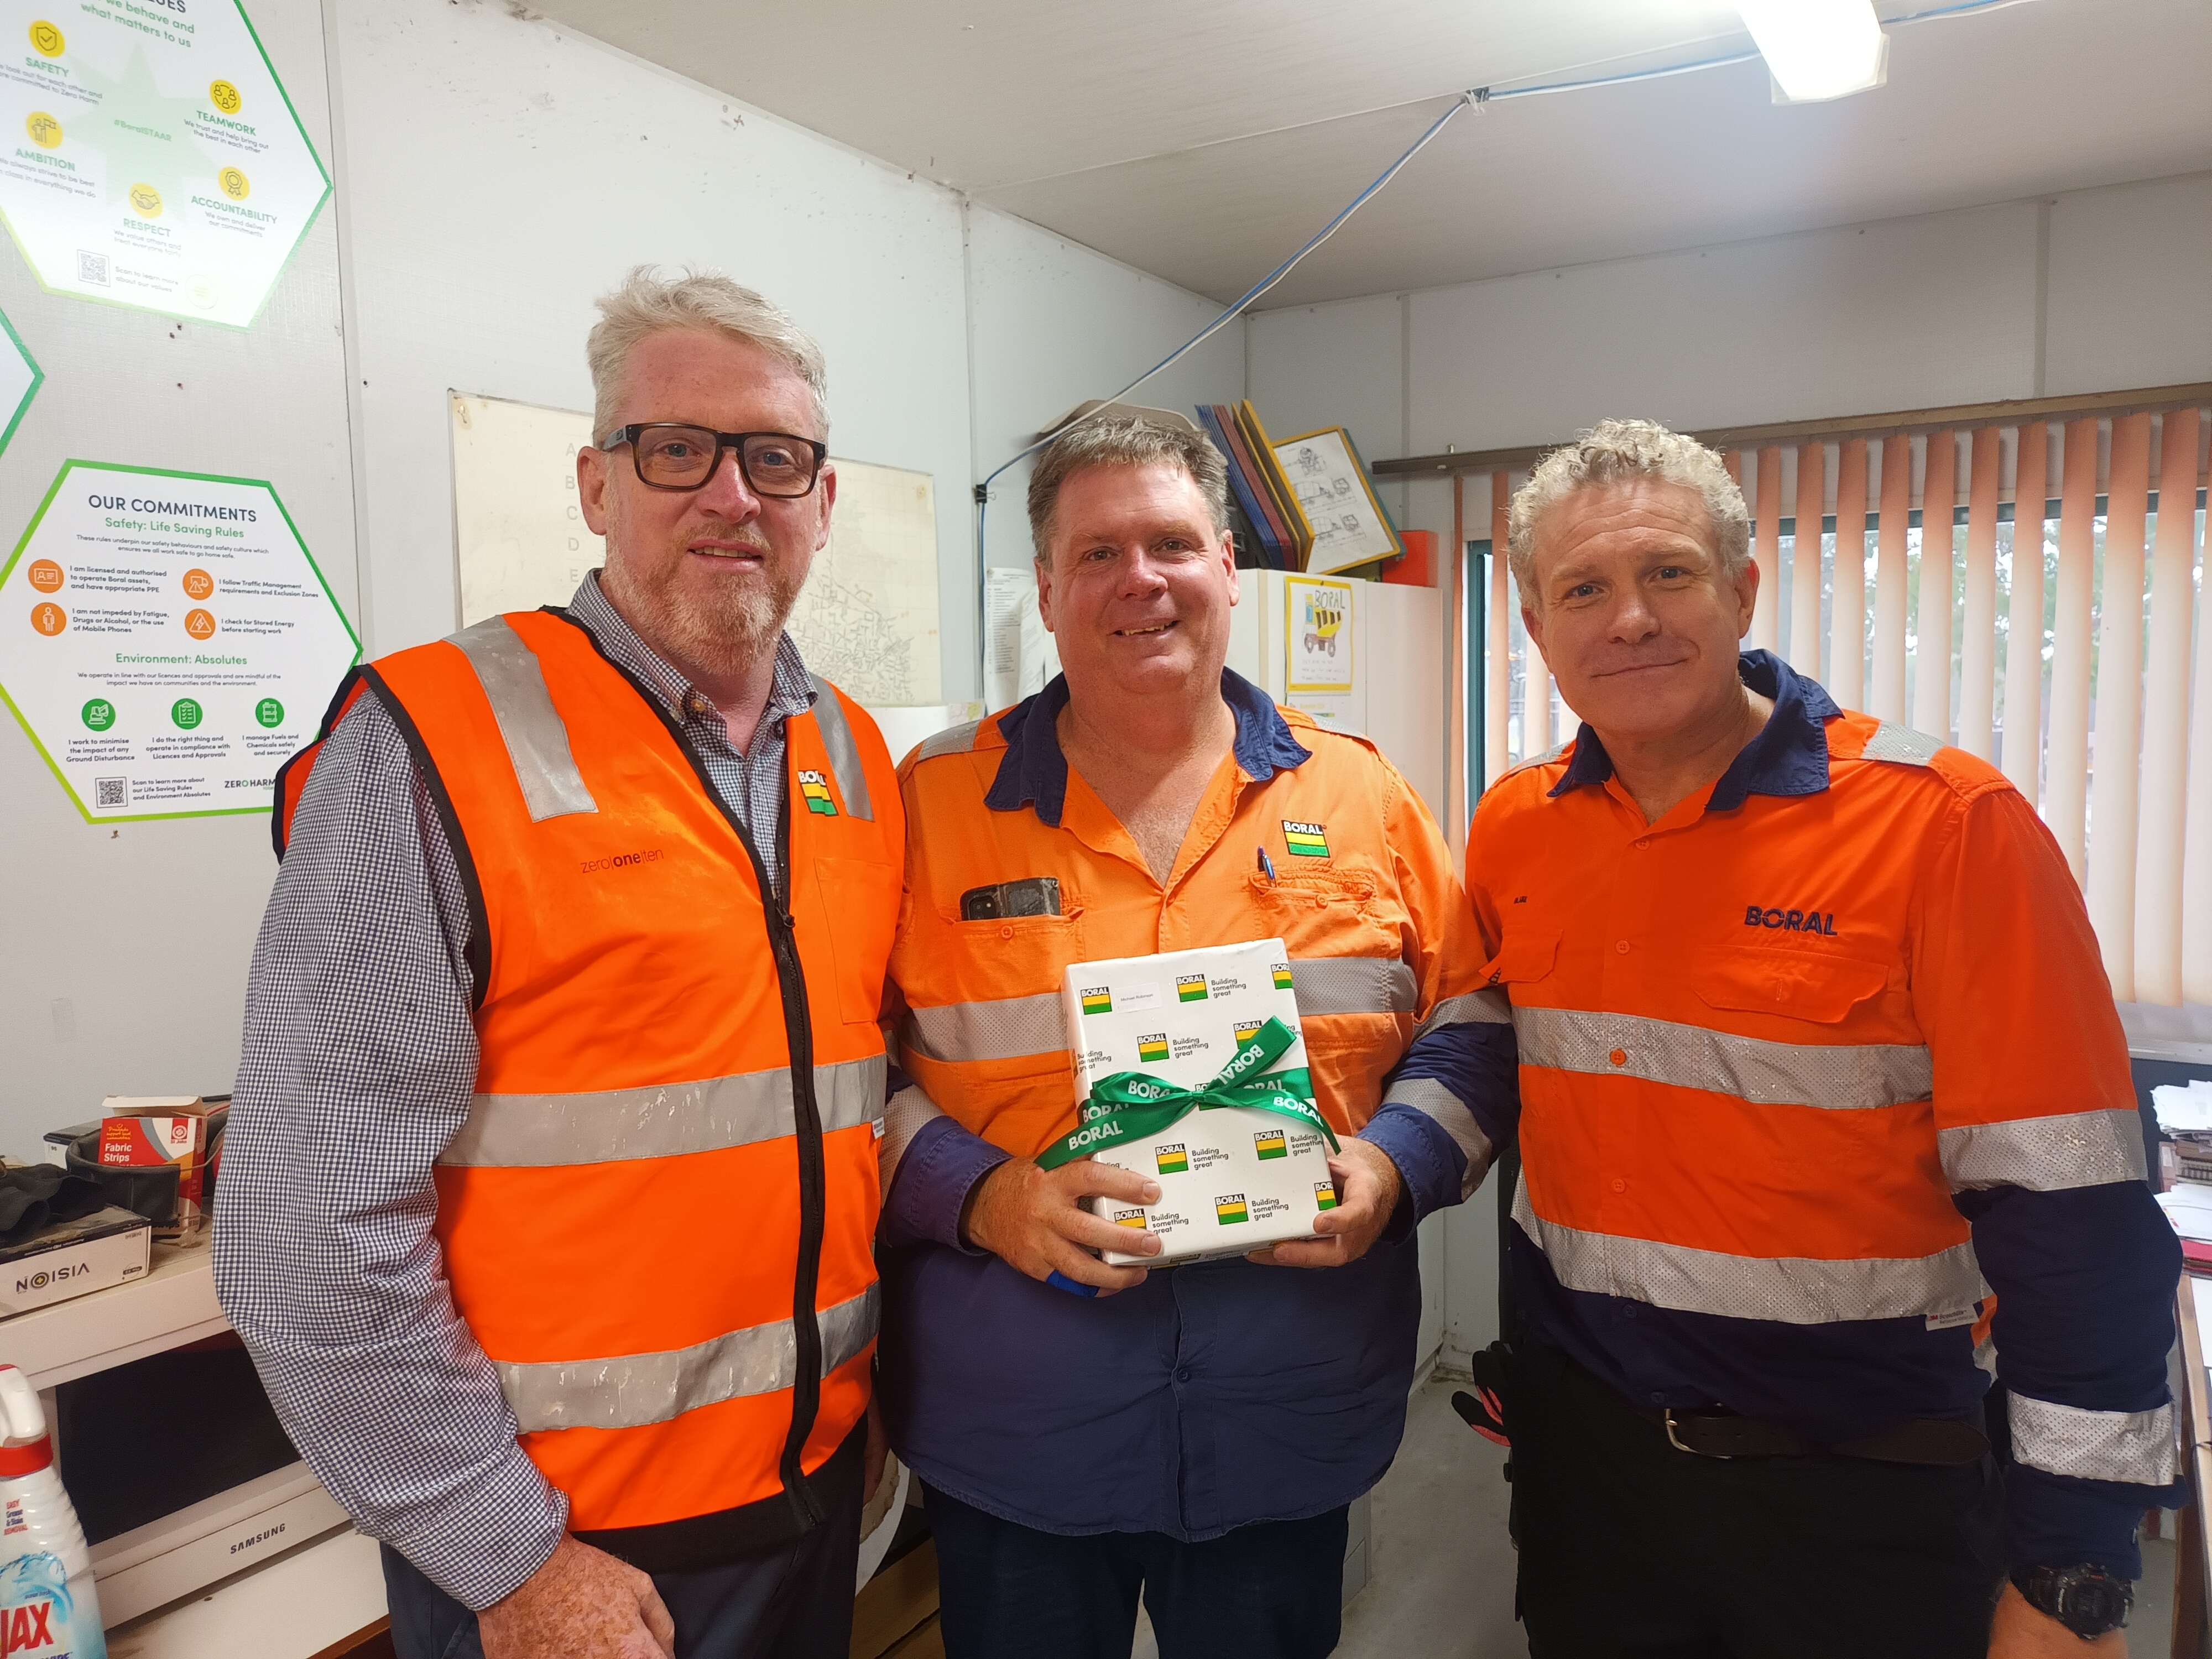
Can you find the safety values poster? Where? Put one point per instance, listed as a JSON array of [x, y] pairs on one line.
[[167, 640], [148, 155]]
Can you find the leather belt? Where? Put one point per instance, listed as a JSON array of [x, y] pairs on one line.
[[1937, 1441]]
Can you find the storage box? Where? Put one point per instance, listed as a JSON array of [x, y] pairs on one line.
[[73, 1258], [1231, 1179], [145, 1132]]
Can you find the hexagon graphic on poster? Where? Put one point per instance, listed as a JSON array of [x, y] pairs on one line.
[[167, 640], [152, 158], [20, 379]]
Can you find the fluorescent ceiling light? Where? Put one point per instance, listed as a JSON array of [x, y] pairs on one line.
[[1818, 49]]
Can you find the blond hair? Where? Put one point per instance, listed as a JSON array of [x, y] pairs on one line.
[[1623, 452], [648, 303]]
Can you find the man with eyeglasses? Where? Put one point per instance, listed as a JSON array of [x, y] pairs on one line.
[[551, 1180]]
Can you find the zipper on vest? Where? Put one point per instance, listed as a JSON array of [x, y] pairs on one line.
[[807, 1507]]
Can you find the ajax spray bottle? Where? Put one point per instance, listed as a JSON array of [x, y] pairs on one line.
[[48, 1609]]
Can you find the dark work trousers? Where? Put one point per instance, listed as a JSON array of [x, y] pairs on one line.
[[1630, 1547], [1006, 1591], [792, 1601]]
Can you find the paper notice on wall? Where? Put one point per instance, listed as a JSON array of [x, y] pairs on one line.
[[167, 642], [1020, 658]]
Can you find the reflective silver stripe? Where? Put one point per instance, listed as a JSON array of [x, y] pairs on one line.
[[1901, 743], [633, 1391], [1835, 1075], [1353, 985], [536, 742], [2133, 1446], [844, 754], [904, 1114], [954, 740], [1010, 1028], [1432, 1100], [668, 1120], [1790, 1290], [1475, 1008], [2044, 1154]]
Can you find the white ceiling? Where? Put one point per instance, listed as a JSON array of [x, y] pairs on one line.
[[1204, 142]]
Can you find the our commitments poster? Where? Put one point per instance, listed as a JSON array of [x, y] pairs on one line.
[[148, 155], [167, 640]]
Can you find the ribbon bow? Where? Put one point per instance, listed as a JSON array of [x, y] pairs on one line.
[[1129, 1107]]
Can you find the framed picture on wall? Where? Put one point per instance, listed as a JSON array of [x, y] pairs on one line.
[[1350, 527]]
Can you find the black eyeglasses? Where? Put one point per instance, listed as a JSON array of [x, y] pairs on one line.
[[670, 455]]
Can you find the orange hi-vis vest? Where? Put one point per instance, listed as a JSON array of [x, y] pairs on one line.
[[658, 1218], [1337, 857]]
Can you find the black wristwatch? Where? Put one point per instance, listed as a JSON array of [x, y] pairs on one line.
[[2088, 1600]]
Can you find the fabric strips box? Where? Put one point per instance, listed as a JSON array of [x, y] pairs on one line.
[[1190, 1068]]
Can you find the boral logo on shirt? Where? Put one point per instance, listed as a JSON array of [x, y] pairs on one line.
[[1308, 840], [1793, 921], [816, 788]]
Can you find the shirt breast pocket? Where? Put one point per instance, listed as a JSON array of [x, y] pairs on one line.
[[1526, 958], [1821, 990], [987, 992]]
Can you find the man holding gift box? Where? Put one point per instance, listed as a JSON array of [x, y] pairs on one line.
[[1086, 1431]]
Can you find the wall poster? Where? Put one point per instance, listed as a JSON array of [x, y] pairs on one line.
[[167, 640], [1316, 636], [152, 159]]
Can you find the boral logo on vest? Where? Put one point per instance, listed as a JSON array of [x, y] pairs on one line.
[[1308, 840], [1792, 921], [816, 788]]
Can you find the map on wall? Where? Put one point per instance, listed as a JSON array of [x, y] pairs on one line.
[[152, 158], [867, 618], [167, 640]]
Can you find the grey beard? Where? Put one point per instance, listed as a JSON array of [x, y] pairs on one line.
[[715, 640]]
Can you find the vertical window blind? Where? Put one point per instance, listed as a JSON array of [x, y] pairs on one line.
[[2029, 589]]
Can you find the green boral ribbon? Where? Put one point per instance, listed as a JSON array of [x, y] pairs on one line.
[[1128, 1107]]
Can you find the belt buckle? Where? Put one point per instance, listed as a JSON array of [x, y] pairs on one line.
[[1667, 1418]]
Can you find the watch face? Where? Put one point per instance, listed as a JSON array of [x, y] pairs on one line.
[[2094, 1605]]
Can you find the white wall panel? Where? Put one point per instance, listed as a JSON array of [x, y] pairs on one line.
[[1897, 315], [1055, 325], [2130, 270], [122, 947]]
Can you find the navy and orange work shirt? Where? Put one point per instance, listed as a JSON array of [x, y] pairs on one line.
[[1216, 1394], [1811, 1066]]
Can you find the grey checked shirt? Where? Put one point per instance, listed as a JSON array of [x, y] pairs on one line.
[[358, 1065]]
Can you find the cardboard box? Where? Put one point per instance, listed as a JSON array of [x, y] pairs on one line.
[[1231, 1179], [144, 1132], [73, 1258]]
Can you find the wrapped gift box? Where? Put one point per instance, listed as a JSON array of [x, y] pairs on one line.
[[1231, 1179]]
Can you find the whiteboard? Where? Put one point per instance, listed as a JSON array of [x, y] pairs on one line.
[[867, 618], [520, 539]]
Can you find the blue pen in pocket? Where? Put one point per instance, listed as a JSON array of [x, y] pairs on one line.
[[1060, 1281]]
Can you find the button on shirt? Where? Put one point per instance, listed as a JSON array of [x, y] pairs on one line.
[[358, 1065]]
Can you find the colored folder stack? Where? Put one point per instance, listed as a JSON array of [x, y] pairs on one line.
[[1257, 485]]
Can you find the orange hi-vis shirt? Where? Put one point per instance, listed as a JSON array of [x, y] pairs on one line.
[[1780, 1053], [1213, 1395]]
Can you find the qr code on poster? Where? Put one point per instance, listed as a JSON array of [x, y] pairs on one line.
[[91, 267], [111, 792]]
